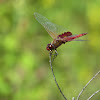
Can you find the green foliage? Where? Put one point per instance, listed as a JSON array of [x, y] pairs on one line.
[[25, 73]]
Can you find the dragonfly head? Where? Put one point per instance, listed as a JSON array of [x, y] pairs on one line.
[[49, 47]]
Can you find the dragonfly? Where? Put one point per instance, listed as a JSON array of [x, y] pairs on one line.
[[59, 34]]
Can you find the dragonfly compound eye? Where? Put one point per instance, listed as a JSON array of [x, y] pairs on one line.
[[49, 47]]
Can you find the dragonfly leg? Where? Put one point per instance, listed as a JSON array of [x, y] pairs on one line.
[[54, 55], [56, 52], [50, 53]]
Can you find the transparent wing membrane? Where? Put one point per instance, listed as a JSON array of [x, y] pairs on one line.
[[79, 40], [50, 27]]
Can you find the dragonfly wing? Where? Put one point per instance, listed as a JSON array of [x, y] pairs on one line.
[[65, 34], [50, 27], [79, 40]]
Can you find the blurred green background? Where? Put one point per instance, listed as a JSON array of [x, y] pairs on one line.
[[25, 72]]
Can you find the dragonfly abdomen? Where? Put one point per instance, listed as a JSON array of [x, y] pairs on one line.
[[70, 38]]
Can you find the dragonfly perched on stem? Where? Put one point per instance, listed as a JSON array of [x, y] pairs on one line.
[[59, 34]]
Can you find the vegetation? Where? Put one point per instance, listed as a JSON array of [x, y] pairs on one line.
[[25, 72]]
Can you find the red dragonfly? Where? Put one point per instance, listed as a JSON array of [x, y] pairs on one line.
[[54, 31]]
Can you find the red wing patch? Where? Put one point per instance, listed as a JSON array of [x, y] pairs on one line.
[[65, 34]]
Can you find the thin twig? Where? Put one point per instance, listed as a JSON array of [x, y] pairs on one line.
[[73, 98], [93, 94], [55, 77], [87, 85]]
